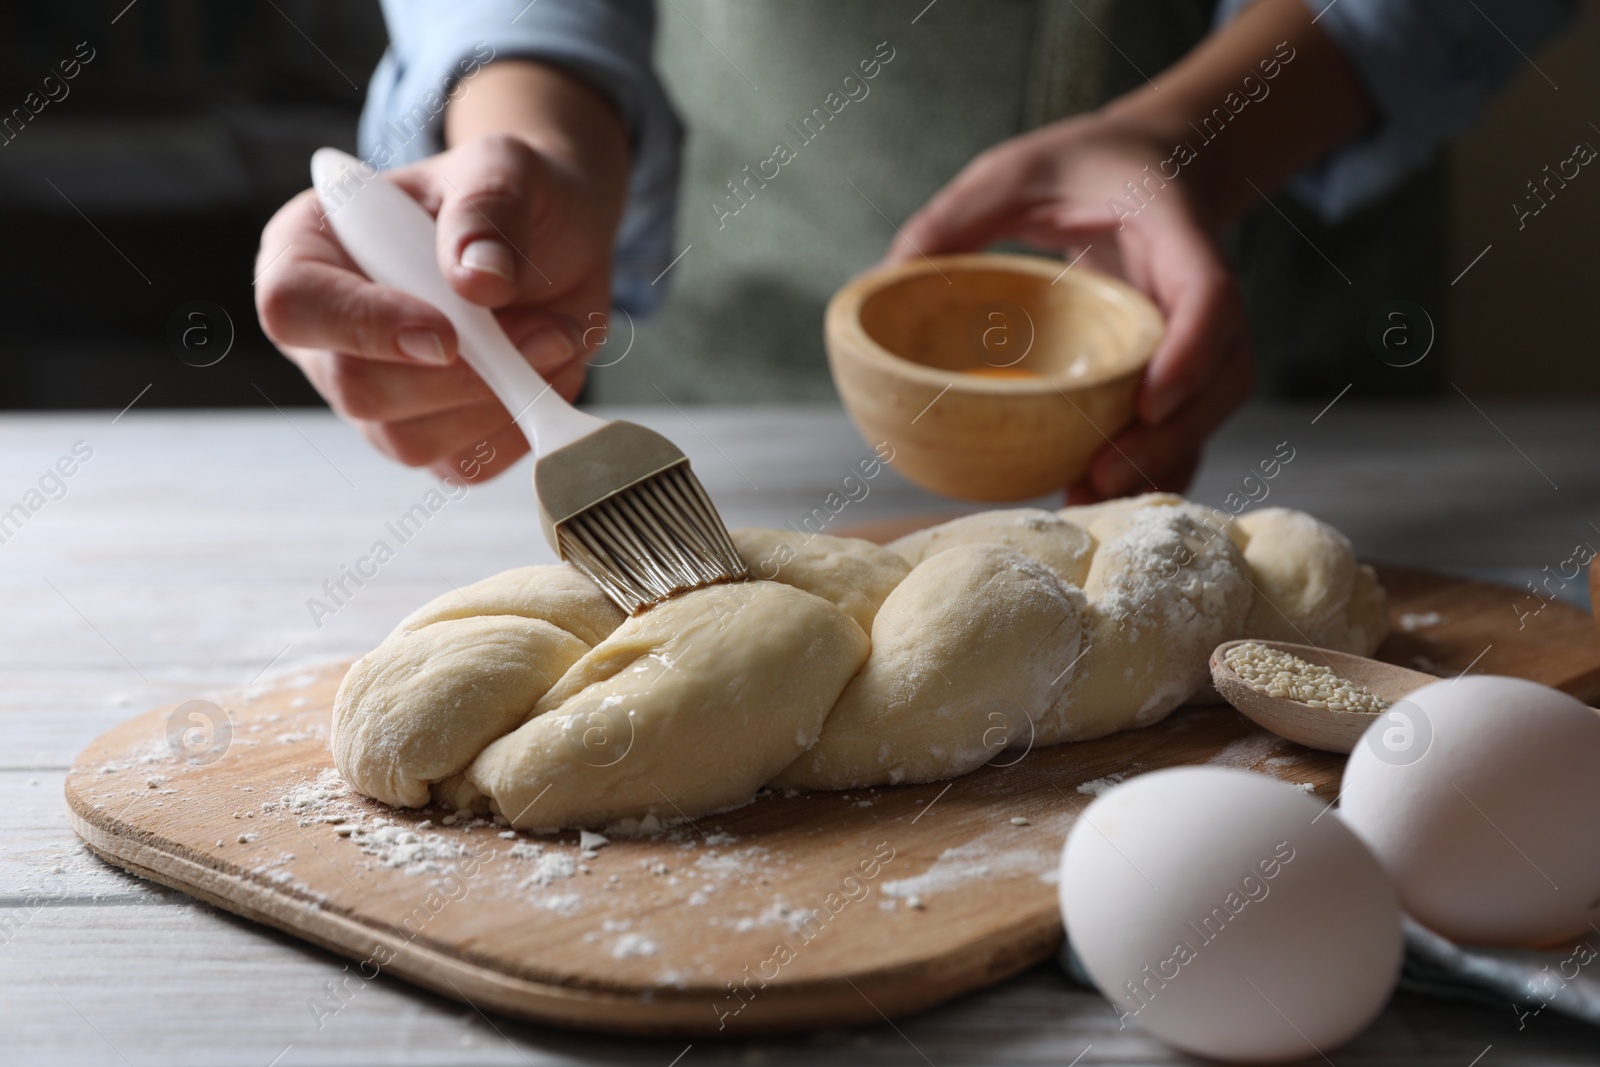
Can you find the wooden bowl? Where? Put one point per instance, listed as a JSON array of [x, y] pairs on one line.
[[904, 343], [1320, 728]]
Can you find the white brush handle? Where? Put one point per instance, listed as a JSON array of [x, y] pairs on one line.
[[393, 240]]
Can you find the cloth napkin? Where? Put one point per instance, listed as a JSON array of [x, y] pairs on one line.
[[1523, 981]]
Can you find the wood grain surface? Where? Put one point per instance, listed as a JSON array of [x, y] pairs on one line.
[[797, 911], [179, 565]]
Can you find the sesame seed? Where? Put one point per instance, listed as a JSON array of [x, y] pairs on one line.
[[1288, 677]]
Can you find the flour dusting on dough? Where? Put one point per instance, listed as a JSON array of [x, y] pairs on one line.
[[857, 665]]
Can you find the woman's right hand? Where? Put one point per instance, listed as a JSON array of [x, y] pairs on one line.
[[523, 229]]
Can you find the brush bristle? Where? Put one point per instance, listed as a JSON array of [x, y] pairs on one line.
[[656, 538]]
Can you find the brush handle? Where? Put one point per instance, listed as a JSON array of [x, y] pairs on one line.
[[393, 240]]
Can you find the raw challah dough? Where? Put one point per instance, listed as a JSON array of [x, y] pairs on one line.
[[921, 707], [1164, 590], [422, 705], [1309, 587], [1043, 536], [459, 672], [1104, 520], [853, 575], [529, 694], [688, 708], [557, 594]]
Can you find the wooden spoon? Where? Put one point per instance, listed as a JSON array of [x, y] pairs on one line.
[[1321, 728]]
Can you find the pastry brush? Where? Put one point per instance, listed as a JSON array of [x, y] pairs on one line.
[[616, 500]]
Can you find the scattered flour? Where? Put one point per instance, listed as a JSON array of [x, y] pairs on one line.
[[793, 918], [562, 903], [277, 871], [398, 847], [965, 863], [1412, 621], [324, 799], [633, 945], [550, 867], [1095, 786], [156, 751], [725, 863], [534, 874], [1248, 752]]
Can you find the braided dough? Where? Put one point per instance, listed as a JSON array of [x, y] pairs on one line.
[[919, 709], [530, 695]]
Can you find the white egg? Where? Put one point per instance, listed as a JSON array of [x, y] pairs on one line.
[[1227, 914], [1482, 797]]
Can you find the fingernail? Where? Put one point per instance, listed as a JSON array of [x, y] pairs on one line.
[[549, 350], [422, 345], [490, 257]]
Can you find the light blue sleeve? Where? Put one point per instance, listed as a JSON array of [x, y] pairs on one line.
[[1431, 68], [435, 46]]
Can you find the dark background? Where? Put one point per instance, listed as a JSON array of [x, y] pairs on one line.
[[146, 187], [144, 191]]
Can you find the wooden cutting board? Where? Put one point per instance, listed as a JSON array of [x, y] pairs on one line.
[[792, 913]]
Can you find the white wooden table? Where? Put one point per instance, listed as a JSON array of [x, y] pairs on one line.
[[180, 559]]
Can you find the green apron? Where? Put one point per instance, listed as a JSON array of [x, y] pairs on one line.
[[815, 128]]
